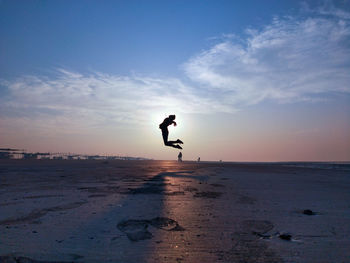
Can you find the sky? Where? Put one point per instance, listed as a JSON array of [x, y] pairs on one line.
[[248, 80]]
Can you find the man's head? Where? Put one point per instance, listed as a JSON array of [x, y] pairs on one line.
[[172, 117]]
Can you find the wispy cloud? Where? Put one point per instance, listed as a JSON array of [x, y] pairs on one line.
[[327, 8], [291, 59], [97, 100]]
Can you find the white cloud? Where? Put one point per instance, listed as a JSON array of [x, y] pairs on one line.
[[79, 102], [289, 60], [329, 9]]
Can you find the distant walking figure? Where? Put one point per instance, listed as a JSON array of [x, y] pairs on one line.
[[179, 157], [164, 127]]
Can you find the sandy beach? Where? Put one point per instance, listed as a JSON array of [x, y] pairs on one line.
[[165, 211]]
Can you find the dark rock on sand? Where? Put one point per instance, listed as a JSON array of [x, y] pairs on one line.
[[308, 212], [287, 237], [76, 256]]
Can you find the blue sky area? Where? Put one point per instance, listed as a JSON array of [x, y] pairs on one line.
[[260, 80], [119, 37]]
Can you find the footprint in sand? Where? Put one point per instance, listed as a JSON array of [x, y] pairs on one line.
[[137, 230]]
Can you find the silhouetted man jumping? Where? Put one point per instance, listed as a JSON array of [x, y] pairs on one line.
[[164, 127]]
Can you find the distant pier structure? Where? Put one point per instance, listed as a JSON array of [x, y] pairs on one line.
[[5, 155], [9, 153]]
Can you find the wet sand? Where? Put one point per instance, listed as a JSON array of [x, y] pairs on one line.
[[164, 211]]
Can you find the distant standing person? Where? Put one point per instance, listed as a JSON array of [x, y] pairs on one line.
[[179, 157], [164, 127], [199, 159]]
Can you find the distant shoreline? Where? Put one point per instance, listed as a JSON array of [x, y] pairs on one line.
[[332, 165]]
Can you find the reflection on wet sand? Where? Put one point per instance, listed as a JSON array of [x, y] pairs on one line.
[[165, 211]]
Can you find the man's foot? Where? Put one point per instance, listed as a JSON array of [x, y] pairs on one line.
[[177, 146], [179, 141]]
